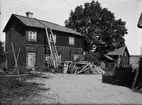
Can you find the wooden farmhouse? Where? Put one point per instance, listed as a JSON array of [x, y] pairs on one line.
[[119, 57], [28, 34]]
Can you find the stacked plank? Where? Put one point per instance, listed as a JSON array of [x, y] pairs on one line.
[[82, 67]]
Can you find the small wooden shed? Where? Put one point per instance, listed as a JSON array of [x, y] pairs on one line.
[[119, 57]]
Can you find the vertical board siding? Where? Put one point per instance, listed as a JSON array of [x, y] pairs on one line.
[[16, 35], [79, 42], [40, 56]]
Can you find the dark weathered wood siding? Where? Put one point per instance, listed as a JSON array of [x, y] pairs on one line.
[[16, 35], [62, 43], [62, 39], [125, 59], [40, 56]]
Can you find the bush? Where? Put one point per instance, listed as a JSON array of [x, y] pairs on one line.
[[92, 57], [125, 75]]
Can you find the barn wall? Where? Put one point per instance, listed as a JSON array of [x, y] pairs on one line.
[[62, 38], [40, 56], [65, 50], [16, 35], [66, 53], [9, 56]]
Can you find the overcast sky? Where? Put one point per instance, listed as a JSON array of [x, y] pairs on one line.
[[58, 11]]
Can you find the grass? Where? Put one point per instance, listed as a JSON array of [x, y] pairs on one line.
[[13, 91]]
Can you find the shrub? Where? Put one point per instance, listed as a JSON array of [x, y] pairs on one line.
[[125, 75], [92, 57]]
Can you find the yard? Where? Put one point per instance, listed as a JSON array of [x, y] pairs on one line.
[[72, 89], [87, 89]]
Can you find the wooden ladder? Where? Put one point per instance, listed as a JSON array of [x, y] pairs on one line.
[[52, 47]]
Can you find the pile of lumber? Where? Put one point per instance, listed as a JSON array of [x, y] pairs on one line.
[[82, 67]]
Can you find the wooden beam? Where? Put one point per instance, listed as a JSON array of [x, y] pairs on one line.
[[135, 79], [16, 60], [84, 68]]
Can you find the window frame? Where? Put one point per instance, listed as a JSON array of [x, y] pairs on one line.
[[54, 38], [70, 42], [32, 36]]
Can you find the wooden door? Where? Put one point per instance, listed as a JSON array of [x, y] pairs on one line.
[[31, 60], [66, 55]]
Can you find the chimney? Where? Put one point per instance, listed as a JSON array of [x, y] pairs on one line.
[[29, 14]]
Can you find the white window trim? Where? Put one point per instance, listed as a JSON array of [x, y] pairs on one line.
[[32, 36], [71, 41], [54, 38]]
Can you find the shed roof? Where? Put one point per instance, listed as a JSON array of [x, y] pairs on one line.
[[118, 51], [33, 22], [140, 21]]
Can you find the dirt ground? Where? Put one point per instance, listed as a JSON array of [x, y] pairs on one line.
[[84, 89]]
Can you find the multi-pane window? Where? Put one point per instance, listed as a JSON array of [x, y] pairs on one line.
[[71, 40], [32, 36]]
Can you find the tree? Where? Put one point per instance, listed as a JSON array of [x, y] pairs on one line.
[[2, 56], [99, 27]]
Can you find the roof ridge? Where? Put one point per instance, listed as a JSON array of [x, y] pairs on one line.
[[22, 16], [43, 23], [57, 24], [42, 20], [49, 22]]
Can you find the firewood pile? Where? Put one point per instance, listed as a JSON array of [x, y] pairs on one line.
[[81, 67]]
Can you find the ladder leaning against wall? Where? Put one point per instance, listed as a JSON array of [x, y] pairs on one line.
[[53, 59]]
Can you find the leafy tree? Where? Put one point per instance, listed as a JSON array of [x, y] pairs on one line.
[[2, 56], [99, 26]]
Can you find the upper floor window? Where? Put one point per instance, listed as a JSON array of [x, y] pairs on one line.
[[71, 40], [32, 36]]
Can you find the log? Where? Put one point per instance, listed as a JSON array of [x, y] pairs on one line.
[[135, 79], [84, 70]]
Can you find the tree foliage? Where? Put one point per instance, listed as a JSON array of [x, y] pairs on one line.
[[2, 56], [99, 25]]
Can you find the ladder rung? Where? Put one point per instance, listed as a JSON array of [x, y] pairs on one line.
[[52, 46]]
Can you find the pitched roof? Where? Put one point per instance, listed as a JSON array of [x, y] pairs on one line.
[[118, 51], [33, 22], [140, 21]]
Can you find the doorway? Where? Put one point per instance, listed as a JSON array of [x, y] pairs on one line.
[[31, 60]]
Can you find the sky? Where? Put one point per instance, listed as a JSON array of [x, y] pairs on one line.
[[57, 11]]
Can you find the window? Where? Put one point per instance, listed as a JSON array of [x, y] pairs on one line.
[[54, 38], [32, 36], [71, 40]]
